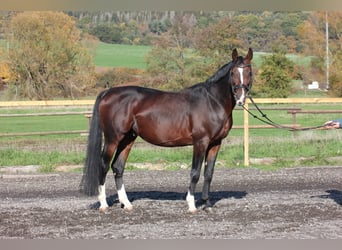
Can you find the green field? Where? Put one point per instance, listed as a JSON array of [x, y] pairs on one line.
[[119, 55], [133, 56]]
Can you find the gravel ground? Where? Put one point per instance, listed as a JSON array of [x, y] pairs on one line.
[[295, 203]]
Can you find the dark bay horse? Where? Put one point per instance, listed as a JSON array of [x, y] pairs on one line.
[[200, 115]]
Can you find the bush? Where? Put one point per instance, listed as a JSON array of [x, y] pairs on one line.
[[335, 85], [335, 79], [118, 76], [276, 72], [107, 33]]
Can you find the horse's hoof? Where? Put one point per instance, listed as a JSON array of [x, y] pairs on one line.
[[208, 210], [128, 208], [192, 211], [103, 210]]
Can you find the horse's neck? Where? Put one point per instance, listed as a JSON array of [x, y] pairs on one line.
[[222, 91]]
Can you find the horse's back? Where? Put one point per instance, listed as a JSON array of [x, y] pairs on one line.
[[160, 117], [157, 116]]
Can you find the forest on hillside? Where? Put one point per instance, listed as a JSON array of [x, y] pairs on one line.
[[261, 30], [186, 46]]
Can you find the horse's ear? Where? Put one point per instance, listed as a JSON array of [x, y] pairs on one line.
[[234, 55], [249, 55]]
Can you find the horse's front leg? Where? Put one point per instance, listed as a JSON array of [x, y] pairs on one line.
[[197, 160], [210, 160]]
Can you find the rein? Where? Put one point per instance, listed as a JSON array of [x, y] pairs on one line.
[[268, 121]]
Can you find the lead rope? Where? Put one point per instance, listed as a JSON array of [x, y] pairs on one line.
[[272, 123]]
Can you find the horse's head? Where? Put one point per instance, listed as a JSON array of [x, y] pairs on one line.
[[241, 76]]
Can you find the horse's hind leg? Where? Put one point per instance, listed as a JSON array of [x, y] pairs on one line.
[[118, 166], [107, 155]]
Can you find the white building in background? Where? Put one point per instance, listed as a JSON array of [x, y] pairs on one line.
[[313, 85]]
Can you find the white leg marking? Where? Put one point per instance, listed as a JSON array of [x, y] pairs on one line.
[[191, 202], [102, 198], [123, 198]]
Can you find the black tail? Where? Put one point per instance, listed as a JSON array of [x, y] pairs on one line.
[[90, 180]]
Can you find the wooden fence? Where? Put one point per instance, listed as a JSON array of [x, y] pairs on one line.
[[279, 101], [54, 103], [246, 126], [23, 104]]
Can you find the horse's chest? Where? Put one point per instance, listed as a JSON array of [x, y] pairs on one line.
[[223, 130], [226, 127], [217, 126]]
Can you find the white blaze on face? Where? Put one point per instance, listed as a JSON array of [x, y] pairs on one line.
[[241, 74], [241, 100]]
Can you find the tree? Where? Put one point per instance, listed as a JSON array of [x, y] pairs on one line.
[[312, 34], [47, 57], [335, 40], [216, 42], [4, 67], [157, 27], [168, 60], [107, 33], [275, 75], [335, 79]]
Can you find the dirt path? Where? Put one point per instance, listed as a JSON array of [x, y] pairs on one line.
[[296, 203]]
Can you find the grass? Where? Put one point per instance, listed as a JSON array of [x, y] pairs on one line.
[[307, 148], [133, 56], [43, 123], [264, 143], [119, 55], [47, 160]]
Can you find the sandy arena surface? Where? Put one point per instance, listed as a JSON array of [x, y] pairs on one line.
[[294, 203]]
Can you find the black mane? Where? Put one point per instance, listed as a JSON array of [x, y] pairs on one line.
[[223, 71]]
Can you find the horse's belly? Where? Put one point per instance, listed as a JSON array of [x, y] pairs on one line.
[[167, 141], [163, 132]]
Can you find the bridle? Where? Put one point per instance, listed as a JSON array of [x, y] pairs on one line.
[[264, 117], [247, 87]]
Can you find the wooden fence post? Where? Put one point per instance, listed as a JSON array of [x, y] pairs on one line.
[[246, 135]]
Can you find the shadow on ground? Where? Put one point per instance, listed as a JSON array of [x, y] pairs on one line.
[[335, 195], [171, 196]]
